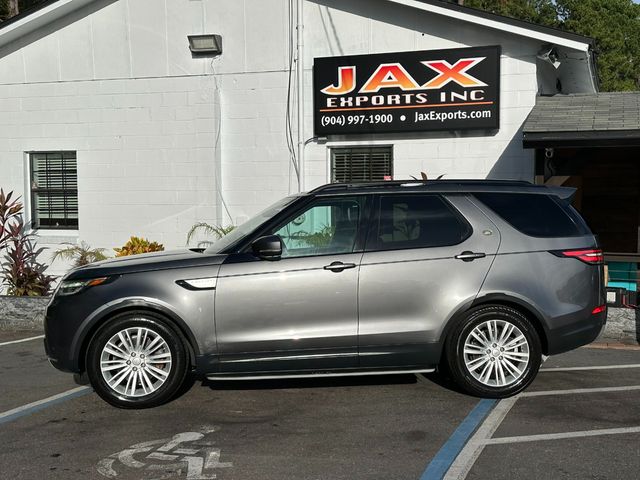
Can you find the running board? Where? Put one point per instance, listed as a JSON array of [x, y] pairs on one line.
[[318, 375]]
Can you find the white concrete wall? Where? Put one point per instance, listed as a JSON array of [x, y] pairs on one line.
[[145, 153], [157, 131]]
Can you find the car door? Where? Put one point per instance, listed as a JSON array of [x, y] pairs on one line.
[[426, 257], [301, 311]]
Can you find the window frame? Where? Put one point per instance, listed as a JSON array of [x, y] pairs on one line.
[[31, 208], [297, 208], [377, 211]]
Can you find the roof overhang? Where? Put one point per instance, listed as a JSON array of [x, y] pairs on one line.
[[505, 24], [13, 29], [598, 138]]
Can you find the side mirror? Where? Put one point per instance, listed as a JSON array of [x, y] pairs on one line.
[[267, 248]]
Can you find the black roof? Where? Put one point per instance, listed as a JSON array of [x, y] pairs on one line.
[[605, 118], [510, 21], [442, 186]]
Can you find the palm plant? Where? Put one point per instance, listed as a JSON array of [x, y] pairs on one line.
[[81, 254], [217, 231]]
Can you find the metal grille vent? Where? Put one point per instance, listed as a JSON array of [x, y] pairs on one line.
[[361, 164], [54, 190]]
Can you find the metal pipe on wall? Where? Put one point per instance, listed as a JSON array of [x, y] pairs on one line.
[[300, 95]]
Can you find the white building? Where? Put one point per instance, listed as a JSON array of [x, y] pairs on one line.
[[163, 139]]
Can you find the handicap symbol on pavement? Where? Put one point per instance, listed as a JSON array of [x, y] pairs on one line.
[[188, 455]]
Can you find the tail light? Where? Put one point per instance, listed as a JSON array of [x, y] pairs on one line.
[[592, 256], [599, 309]]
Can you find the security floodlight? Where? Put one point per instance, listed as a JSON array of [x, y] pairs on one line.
[[205, 45], [549, 54]]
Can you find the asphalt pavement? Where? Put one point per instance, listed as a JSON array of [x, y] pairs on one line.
[[580, 419]]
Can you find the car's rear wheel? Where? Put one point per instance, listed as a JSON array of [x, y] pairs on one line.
[[137, 361], [494, 352]]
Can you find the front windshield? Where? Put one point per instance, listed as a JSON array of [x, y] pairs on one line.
[[250, 225]]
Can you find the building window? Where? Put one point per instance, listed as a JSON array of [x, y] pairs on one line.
[[54, 190], [361, 164]]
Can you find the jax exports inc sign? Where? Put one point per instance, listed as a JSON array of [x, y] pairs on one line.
[[407, 91]]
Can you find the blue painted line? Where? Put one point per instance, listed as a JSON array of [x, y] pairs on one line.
[[34, 407], [440, 464]]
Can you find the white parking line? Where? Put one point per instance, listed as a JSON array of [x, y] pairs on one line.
[[598, 367], [21, 340], [472, 450], [33, 407], [561, 436], [579, 391]]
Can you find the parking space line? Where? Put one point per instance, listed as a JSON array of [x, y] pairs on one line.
[[450, 450], [21, 340], [28, 409], [472, 450], [579, 391], [561, 436], [596, 367]]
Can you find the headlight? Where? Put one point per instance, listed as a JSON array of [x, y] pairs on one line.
[[71, 287]]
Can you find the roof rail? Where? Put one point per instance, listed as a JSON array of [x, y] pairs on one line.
[[414, 183]]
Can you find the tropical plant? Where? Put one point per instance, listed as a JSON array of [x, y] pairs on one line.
[[10, 211], [317, 239], [81, 254], [217, 231], [137, 245], [22, 273]]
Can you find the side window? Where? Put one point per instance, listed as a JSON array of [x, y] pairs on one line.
[[536, 215], [417, 221], [328, 226], [54, 190]]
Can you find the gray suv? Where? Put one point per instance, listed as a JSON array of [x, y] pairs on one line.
[[477, 278]]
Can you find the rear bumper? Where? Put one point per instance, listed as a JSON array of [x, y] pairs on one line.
[[576, 334]]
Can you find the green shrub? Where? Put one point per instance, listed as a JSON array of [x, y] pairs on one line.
[[137, 245]]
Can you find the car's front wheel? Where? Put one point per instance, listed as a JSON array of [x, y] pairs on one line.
[[136, 361], [494, 352]]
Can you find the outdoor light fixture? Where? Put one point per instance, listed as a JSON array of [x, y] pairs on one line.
[[549, 54], [205, 45]]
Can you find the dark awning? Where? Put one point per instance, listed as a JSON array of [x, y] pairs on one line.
[[584, 120]]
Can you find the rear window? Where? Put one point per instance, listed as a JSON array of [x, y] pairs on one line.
[[536, 215]]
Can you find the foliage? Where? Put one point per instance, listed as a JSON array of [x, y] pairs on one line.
[[81, 254], [535, 11], [217, 231], [9, 8], [22, 273], [10, 211], [614, 24], [318, 239], [137, 245]]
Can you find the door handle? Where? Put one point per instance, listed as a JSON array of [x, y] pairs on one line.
[[339, 266], [469, 256]]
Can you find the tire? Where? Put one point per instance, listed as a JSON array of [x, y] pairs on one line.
[[118, 363], [502, 354]]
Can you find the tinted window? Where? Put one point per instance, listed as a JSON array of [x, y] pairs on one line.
[[417, 221], [328, 226], [535, 215]]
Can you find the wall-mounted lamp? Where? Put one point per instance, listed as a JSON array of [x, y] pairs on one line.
[[205, 45], [549, 54]]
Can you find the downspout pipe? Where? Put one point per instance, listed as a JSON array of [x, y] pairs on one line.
[[300, 85]]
